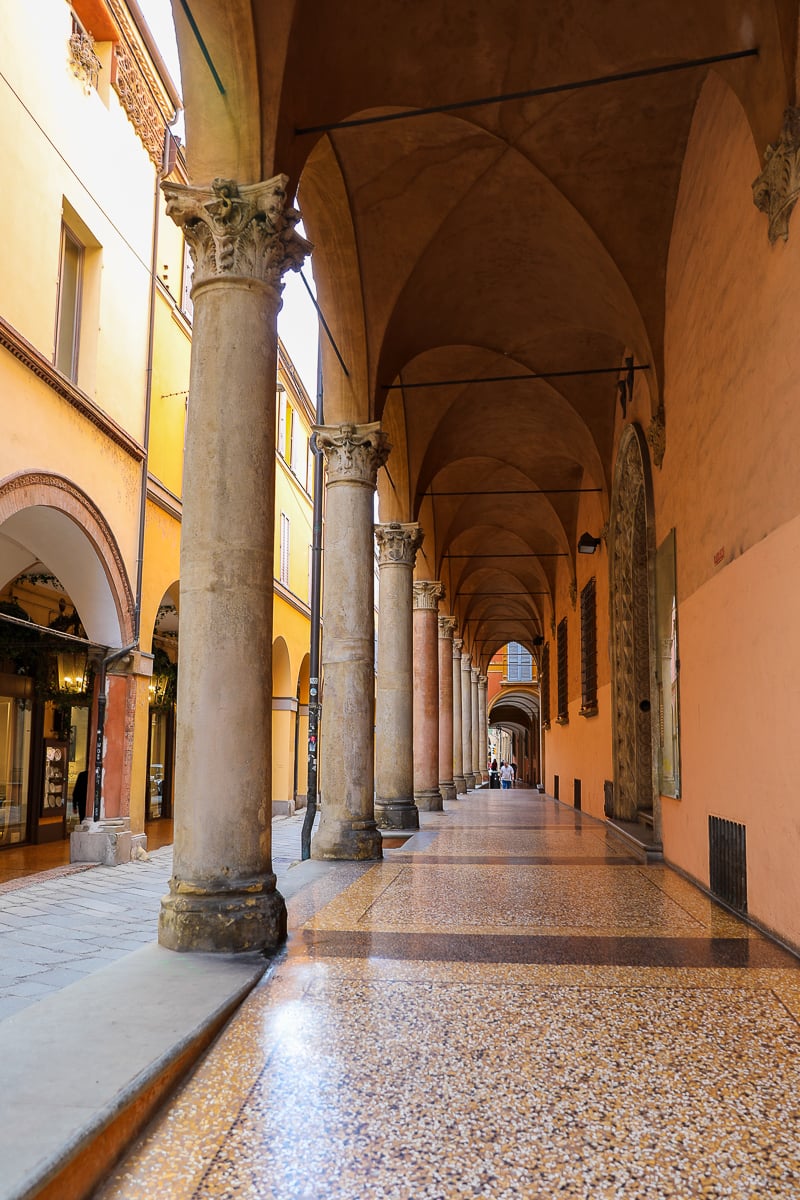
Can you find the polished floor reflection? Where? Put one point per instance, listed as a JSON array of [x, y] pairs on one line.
[[507, 1006]]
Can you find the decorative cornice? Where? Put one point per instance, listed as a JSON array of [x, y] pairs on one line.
[[398, 544], [777, 188], [427, 594], [143, 113], [158, 494], [353, 453], [234, 231], [34, 360], [447, 627]]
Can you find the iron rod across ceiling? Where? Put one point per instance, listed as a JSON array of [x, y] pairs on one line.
[[530, 377], [527, 554], [522, 492], [686, 64]]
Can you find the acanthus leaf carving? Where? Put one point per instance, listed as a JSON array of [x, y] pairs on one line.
[[353, 453], [777, 188], [428, 593], [239, 229], [398, 543]]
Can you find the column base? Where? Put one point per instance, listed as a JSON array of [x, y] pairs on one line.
[[448, 789], [392, 814], [460, 784], [351, 842], [470, 781], [429, 800], [229, 922]]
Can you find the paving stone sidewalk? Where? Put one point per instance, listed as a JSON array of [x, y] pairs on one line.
[[57, 929]]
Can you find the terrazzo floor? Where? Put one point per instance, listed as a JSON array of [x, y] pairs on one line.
[[507, 1006]]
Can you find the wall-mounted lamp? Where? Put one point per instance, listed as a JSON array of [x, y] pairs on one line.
[[588, 544]]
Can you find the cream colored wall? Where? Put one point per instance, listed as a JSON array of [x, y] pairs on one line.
[[91, 156], [730, 486]]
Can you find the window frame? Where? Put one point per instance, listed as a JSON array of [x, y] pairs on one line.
[[69, 237]]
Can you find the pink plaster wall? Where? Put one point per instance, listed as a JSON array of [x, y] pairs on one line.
[[740, 702], [730, 486]]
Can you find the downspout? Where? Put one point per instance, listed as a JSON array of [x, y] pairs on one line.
[[315, 605], [115, 655]]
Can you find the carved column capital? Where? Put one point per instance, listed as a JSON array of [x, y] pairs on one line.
[[235, 230], [457, 644], [428, 593], [447, 627], [466, 661], [777, 188], [353, 453], [398, 544], [483, 681]]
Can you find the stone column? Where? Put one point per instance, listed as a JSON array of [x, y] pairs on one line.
[[446, 782], [394, 701], [476, 732], [347, 829], [483, 726], [466, 718], [459, 781], [427, 595], [222, 893]]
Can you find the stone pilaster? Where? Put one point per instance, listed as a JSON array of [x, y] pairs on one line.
[[222, 893], [427, 594], [477, 737], [483, 726], [353, 455], [459, 780], [394, 702], [447, 626], [466, 718]]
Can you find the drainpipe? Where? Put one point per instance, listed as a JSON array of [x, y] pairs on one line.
[[315, 605]]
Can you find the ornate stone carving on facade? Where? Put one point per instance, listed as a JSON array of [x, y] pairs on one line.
[[777, 188], [457, 644], [143, 113], [398, 543], [630, 636], [657, 437], [85, 63], [239, 230], [353, 453], [428, 593], [447, 627]]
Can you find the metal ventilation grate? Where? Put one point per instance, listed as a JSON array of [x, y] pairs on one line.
[[727, 861]]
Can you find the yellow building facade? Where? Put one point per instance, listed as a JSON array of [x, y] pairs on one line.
[[95, 343]]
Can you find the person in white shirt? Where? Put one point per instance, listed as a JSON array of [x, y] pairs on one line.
[[506, 774]]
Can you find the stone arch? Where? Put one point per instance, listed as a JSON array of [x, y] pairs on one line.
[[48, 518], [631, 555]]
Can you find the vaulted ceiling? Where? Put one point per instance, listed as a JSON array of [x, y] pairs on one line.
[[523, 238]]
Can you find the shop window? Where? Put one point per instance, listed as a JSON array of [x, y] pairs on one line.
[[563, 673], [545, 687], [68, 313], [589, 650], [284, 549]]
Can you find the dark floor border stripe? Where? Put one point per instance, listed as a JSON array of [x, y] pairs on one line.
[[537, 949], [501, 860]]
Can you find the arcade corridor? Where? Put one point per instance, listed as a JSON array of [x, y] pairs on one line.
[[507, 1006]]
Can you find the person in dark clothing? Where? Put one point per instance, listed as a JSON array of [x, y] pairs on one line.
[[79, 793]]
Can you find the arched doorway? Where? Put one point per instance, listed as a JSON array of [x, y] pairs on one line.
[[632, 633], [65, 600], [163, 693]]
